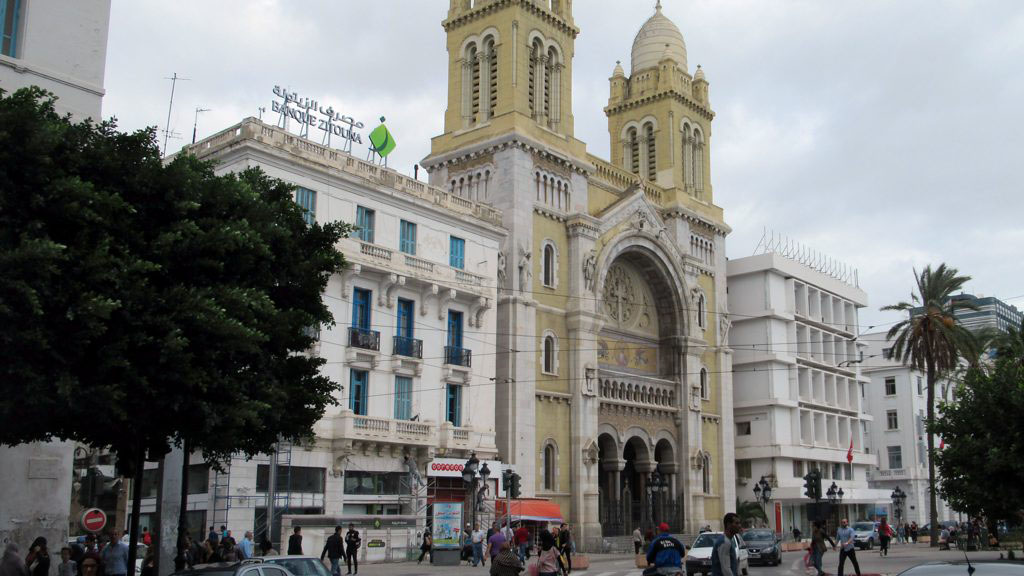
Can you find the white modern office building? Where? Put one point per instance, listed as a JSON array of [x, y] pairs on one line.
[[897, 397], [412, 349], [797, 400], [61, 46]]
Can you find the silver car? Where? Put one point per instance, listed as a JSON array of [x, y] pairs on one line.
[[865, 535]]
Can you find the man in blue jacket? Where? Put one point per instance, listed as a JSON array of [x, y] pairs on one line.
[[665, 554]]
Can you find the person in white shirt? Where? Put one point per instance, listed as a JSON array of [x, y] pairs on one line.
[[477, 539]]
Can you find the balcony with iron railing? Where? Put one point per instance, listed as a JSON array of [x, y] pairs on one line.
[[363, 338], [457, 356], [408, 347]]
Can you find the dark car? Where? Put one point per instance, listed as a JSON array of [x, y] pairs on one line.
[[762, 547], [988, 568], [243, 568]]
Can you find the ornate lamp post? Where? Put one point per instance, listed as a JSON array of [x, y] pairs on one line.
[[898, 497], [654, 485], [835, 498], [763, 493], [470, 478]]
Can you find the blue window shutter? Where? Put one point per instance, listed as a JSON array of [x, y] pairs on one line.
[[407, 237], [10, 13], [455, 329], [365, 223], [405, 316], [457, 253], [361, 309], [403, 398], [359, 382]]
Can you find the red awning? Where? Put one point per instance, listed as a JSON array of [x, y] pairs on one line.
[[536, 510]]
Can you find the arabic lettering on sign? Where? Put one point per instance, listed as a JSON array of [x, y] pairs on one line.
[[309, 112]]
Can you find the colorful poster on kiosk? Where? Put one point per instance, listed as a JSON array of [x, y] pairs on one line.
[[447, 525]]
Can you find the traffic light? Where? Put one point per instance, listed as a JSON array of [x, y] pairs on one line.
[[514, 485], [506, 478], [812, 485]]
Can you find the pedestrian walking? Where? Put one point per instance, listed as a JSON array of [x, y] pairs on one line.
[[523, 543], [247, 545], [847, 546], [38, 559], [67, 566], [796, 534], [12, 563], [213, 537], [295, 542], [334, 549], [494, 544], [506, 562], [884, 536], [149, 563], [147, 538], [913, 532], [724, 556], [352, 543], [477, 539], [549, 562], [267, 548], [818, 539], [115, 556], [426, 547], [638, 540], [565, 546]]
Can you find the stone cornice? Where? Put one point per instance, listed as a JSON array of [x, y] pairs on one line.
[[671, 94], [680, 211], [514, 140], [497, 5]]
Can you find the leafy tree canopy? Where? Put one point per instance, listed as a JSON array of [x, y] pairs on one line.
[[983, 461], [143, 304]]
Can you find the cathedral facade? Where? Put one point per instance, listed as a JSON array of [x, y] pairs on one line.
[[613, 372]]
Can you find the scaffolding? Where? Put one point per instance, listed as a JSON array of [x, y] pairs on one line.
[[276, 501]]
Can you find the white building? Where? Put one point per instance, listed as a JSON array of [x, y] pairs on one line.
[[797, 399], [413, 346], [60, 46], [897, 398]]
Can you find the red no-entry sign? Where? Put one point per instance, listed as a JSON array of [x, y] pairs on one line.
[[93, 520]]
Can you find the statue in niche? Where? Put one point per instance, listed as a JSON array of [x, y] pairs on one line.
[[589, 269], [525, 269], [502, 266]]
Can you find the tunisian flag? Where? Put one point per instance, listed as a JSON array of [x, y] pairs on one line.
[[849, 453]]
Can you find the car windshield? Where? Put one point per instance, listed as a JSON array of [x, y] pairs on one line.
[[758, 535], [706, 540], [863, 526], [301, 566], [981, 569]]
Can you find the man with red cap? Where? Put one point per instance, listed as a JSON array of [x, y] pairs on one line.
[[665, 554]]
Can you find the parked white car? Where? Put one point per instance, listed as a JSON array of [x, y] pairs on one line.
[[698, 557]]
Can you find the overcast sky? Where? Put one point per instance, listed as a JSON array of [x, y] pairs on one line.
[[886, 134]]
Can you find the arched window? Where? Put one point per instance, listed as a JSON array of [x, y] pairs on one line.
[[548, 275], [548, 361], [705, 392], [706, 473], [491, 58], [698, 160], [536, 77], [687, 155], [652, 167], [553, 89], [702, 312], [634, 152], [550, 466], [470, 85]]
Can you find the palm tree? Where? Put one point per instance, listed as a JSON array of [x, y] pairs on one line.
[[749, 512], [932, 341]]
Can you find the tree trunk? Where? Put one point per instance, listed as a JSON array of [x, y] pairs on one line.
[[179, 561], [133, 531], [933, 512]]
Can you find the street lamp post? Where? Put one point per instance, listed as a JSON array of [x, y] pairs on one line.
[[470, 478], [763, 493], [835, 499], [898, 497], [654, 484]]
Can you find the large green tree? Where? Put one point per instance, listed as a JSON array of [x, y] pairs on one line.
[[933, 341], [144, 304], [983, 460]]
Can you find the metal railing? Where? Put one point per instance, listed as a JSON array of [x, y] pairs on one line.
[[363, 338], [409, 347], [458, 356]]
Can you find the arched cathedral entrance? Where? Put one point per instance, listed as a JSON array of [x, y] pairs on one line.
[[641, 369]]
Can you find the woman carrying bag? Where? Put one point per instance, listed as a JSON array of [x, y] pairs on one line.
[[425, 547], [549, 561]]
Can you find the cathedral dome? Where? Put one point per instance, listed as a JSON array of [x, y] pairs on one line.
[[649, 46]]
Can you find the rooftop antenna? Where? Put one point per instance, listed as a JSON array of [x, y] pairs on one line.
[[195, 124], [167, 127], [262, 109]]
